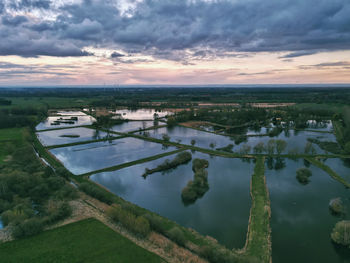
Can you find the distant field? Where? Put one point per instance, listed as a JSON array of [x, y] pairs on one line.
[[13, 135], [85, 241], [51, 102]]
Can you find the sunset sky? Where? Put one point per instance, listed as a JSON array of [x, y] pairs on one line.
[[96, 42]]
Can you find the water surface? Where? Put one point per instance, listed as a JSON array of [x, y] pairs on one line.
[[141, 114], [129, 126], [301, 221], [223, 211], [82, 120], [57, 137], [89, 157]]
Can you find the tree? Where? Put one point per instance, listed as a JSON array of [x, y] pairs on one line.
[[341, 233], [303, 175], [280, 146], [259, 148], [271, 146], [166, 137], [193, 142]]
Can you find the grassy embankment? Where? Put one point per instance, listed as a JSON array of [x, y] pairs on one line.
[[85, 142], [328, 170], [84, 241], [258, 242]]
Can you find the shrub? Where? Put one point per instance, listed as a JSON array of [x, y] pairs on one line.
[[341, 233], [199, 186], [166, 137], [180, 158], [347, 147], [303, 175], [259, 148], [96, 192], [336, 206], [228, 148], [156, 223], [176, 235], [217, 254], [28, 227], [61, 171], [58, 211], [142, 226], [138, 225]]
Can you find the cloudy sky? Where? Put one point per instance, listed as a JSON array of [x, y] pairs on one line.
[[82, 42]]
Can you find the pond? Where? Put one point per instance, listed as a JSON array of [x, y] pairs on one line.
[[141, 114], [70, 113], [222, 212], [301, 221], [129, 126], [295, 139], [1, 225], [64, 121], [63, 136], [185, 135], [89, 157]]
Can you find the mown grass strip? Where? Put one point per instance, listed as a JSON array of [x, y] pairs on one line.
[[258, 243], [120, 166], [328, 170], [312, 130], [87, 241], [149, 128], [83, 142]]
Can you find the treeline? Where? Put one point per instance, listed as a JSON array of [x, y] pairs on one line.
[[189, 94], [21, 117], [223, 116], [5, 102], [31, 196], [180, 158], [197, 187]]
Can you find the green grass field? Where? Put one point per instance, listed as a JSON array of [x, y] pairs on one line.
[[11, 135], [84, 241]]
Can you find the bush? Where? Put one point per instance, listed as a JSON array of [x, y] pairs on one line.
[[217, 254], [96, 192], [303, 175], [156, 223], [58, 211], [180, 158], [61, 171], [341, 233], [142, 226], [166, 137], [28, 227], [199, 186], [138, 225], [347, 147], [176, 235], [336, 206]]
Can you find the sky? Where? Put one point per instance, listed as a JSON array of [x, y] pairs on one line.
[[174, 42]]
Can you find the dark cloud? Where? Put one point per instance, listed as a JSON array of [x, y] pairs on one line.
[[29, 4], [168, 29], [333, 64], [117, 55], [300, 53], [339, 64], [13, 20]]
